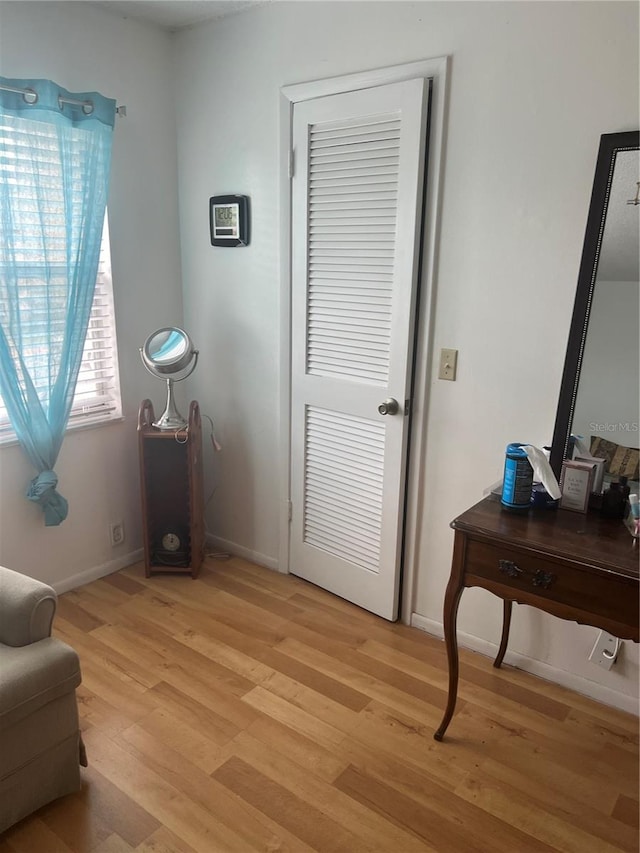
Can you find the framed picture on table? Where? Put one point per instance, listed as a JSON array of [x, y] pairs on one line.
[[576, 483]]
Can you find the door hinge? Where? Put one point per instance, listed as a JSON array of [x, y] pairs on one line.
[[289, 510], [291, 162]]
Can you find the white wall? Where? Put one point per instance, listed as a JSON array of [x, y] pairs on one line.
[[533, 85], [84, 49]]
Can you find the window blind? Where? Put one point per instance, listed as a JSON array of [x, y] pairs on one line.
[[29, 161], [97, 394]]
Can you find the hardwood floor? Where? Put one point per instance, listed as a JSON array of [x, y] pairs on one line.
[[250, 711]]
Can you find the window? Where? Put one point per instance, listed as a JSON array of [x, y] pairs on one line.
[[97, 394]]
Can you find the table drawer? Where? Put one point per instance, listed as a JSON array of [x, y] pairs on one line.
[[530, 576]]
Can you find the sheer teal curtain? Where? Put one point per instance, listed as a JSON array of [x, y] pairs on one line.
[[54, 175]]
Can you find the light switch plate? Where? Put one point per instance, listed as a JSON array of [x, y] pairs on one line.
[[448, 363]]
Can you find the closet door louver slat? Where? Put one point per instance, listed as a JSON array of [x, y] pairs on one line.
[[359, 239], [344, 458]]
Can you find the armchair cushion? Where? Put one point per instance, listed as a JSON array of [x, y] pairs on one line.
[[27, 607], [33, 676]]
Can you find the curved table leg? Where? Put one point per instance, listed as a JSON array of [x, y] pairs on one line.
[[451, 602], [506, 624]]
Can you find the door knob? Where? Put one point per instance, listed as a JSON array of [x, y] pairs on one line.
[[389, 407]]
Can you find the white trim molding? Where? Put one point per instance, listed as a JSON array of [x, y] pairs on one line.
[[563, 677], [97, 572], [222, 547]]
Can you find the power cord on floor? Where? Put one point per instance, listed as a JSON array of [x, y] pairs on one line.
[[217, 555]]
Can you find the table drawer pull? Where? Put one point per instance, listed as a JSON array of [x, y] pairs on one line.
[[543, 579], [508, 567], [539, 577]]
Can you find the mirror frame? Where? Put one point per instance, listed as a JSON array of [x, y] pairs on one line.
[[610, 145], [164, 369]]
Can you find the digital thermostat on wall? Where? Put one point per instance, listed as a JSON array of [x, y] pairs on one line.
[[229, 220]]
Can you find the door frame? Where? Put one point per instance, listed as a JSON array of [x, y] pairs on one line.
[[436, 71]]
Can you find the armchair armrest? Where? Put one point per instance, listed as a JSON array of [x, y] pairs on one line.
[[27, 607]]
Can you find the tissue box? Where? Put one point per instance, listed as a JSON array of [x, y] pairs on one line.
[[576, 484], [598, 479], [541, 499]]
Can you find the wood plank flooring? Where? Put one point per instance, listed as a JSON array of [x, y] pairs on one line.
[[250, 711]]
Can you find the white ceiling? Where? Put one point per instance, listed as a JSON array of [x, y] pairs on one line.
[[173, 15]]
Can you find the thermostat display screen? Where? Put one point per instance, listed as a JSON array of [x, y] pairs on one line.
[[225, 220], [229, 220]]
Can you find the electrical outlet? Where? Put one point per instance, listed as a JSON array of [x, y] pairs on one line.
[[116, 533], [448, 363], [605, 650]]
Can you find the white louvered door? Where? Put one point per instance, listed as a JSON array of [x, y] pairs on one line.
[[357, 195]]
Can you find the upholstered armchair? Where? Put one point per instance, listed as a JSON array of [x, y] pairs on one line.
[[40, 744]]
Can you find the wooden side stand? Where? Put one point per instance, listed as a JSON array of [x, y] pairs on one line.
[[172, 493]]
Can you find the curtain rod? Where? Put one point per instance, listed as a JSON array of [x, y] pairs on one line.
[[31, 97]]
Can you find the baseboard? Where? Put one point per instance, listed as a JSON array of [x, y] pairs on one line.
[[217, 544], [223, 546], [543, 670], [96, 572]]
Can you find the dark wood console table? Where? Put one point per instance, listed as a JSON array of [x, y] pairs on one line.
[[578, 567]]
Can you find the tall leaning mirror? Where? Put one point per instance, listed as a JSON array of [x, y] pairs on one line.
[[599, 396]]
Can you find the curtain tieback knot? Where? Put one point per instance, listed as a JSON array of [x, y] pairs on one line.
[[42, 490]]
